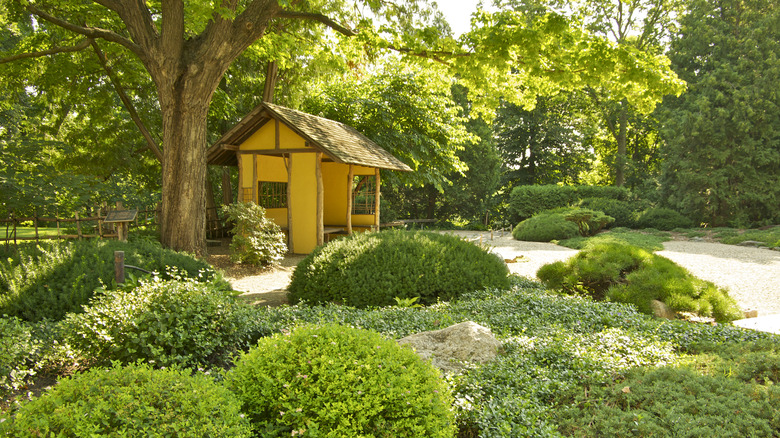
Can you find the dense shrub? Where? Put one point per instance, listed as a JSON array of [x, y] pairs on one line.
[[371, 269], [20, 352], [629, 274], [51, 279], [645, 240], [338, 381], [257, 240], [526, 201], [171, 322], [545, 227], [135, 400], [674, 402], [623, 212], [662, 219]]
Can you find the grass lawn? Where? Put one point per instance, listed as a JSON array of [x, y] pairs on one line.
[[29, 232]]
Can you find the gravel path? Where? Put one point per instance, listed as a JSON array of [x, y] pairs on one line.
[[751, 275]]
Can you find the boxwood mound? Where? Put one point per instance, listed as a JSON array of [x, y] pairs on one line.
[[372, 269]]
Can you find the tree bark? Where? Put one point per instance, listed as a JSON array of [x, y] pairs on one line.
[[620, 158]]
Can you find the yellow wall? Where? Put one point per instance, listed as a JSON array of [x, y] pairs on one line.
[[304, 185], [265, 138], [304, 203]]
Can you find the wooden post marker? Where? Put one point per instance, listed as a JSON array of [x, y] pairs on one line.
[[119, 267]]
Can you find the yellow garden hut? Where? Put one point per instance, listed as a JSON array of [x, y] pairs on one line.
[[314, 176]]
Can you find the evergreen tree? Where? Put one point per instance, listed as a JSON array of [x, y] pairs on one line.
[[722, 159]]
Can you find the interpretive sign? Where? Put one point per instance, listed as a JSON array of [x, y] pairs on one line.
[[120, 216]]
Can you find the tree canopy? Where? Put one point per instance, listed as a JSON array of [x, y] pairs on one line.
[[171, 57]]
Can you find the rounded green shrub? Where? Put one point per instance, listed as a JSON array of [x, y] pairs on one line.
[[629, 274], [372, 269], [663, 219], [172, 322], [51, 279], [338, 381], [622, 211], [134, 400], [545, 227], [257, 240]]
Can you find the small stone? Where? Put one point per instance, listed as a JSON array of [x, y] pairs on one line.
[[751, 313], [753, 243], [452, 348], [661, 310]]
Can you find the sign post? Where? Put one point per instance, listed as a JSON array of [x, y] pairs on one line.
[[122, 218]]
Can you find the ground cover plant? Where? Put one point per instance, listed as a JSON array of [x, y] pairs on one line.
[[629, 274], [651, 241], [372, 269], [50, 279]]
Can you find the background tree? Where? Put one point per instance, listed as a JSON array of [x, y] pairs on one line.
[[722, 155]]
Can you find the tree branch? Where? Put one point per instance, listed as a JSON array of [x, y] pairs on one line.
[[313, 16], [80, 46], [127, 102], [91, 32]]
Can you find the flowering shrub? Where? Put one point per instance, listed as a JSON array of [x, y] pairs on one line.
[[135, 400], [338, 381], [373, 269], [257, 240]]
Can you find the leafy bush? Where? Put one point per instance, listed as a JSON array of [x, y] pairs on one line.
[[628, 274], [526, 201], [372, 269], [172, 322], [662, 219], [673, 402], [622, 211], [135, 400], [256, 239], [339, 381], [545, 227], [20, 352], [49, 280]]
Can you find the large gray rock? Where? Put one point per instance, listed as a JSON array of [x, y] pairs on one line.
[[661, 310], [452, 348]]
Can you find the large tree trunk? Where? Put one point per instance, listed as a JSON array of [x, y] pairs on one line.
[[183, 222]]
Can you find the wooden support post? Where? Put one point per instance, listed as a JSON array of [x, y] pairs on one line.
[[78, 226], [254, 178], [240, 159], [376, 200], [35, 223], [350, 178], [288, 164], [320, 200], [119, 267]]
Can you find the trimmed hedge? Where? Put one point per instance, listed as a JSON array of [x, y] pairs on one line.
[[629, 274], [664, 219], [545, 227], [624, 212], [131, 401], [338, 381], [526, 201], [372, 269], [51, 279]]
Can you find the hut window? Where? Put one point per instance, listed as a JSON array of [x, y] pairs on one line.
[[272, 194], [364, 194]]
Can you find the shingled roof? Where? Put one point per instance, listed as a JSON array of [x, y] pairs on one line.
[[339, 142]]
